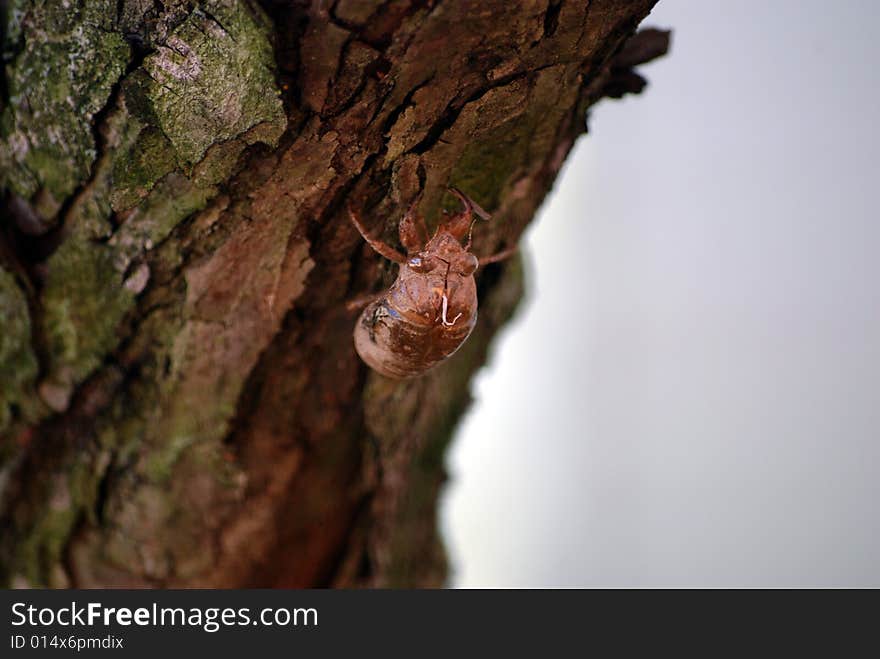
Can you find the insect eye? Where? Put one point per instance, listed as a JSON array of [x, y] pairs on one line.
[[419, 264], [468, 264]]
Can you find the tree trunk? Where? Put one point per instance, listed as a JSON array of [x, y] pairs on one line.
[[180, 401]]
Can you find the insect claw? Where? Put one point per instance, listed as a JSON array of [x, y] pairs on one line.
[[469, 204]]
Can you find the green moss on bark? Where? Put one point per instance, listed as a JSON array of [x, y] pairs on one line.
[[68, 59], [84, 302], [179, 129], [488, 164], [213, 80], [18, 364], [134, 176]]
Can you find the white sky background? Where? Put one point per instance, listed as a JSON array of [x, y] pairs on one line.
[[691, 395]]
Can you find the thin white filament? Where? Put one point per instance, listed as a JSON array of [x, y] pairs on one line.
[[445, 307]]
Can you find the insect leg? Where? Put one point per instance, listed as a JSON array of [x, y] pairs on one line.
[[500, 256], [361, 301], [388, 252], [459, 225], [413, 232], [462, 225], [469, 204]]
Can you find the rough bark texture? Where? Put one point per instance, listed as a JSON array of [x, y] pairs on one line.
[[180, 402]]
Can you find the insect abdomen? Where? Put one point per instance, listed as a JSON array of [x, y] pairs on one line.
[[397, 347]]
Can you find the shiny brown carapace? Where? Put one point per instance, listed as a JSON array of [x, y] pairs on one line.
[[431, 308]]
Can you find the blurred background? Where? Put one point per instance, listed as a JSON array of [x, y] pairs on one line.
[[691, 393]]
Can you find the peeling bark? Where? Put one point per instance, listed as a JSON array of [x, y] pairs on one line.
[[180, 402]]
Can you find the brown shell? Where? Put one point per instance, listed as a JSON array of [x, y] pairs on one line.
[[402, 334]]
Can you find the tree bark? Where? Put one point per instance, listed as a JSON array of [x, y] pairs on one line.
[[180, 401]]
